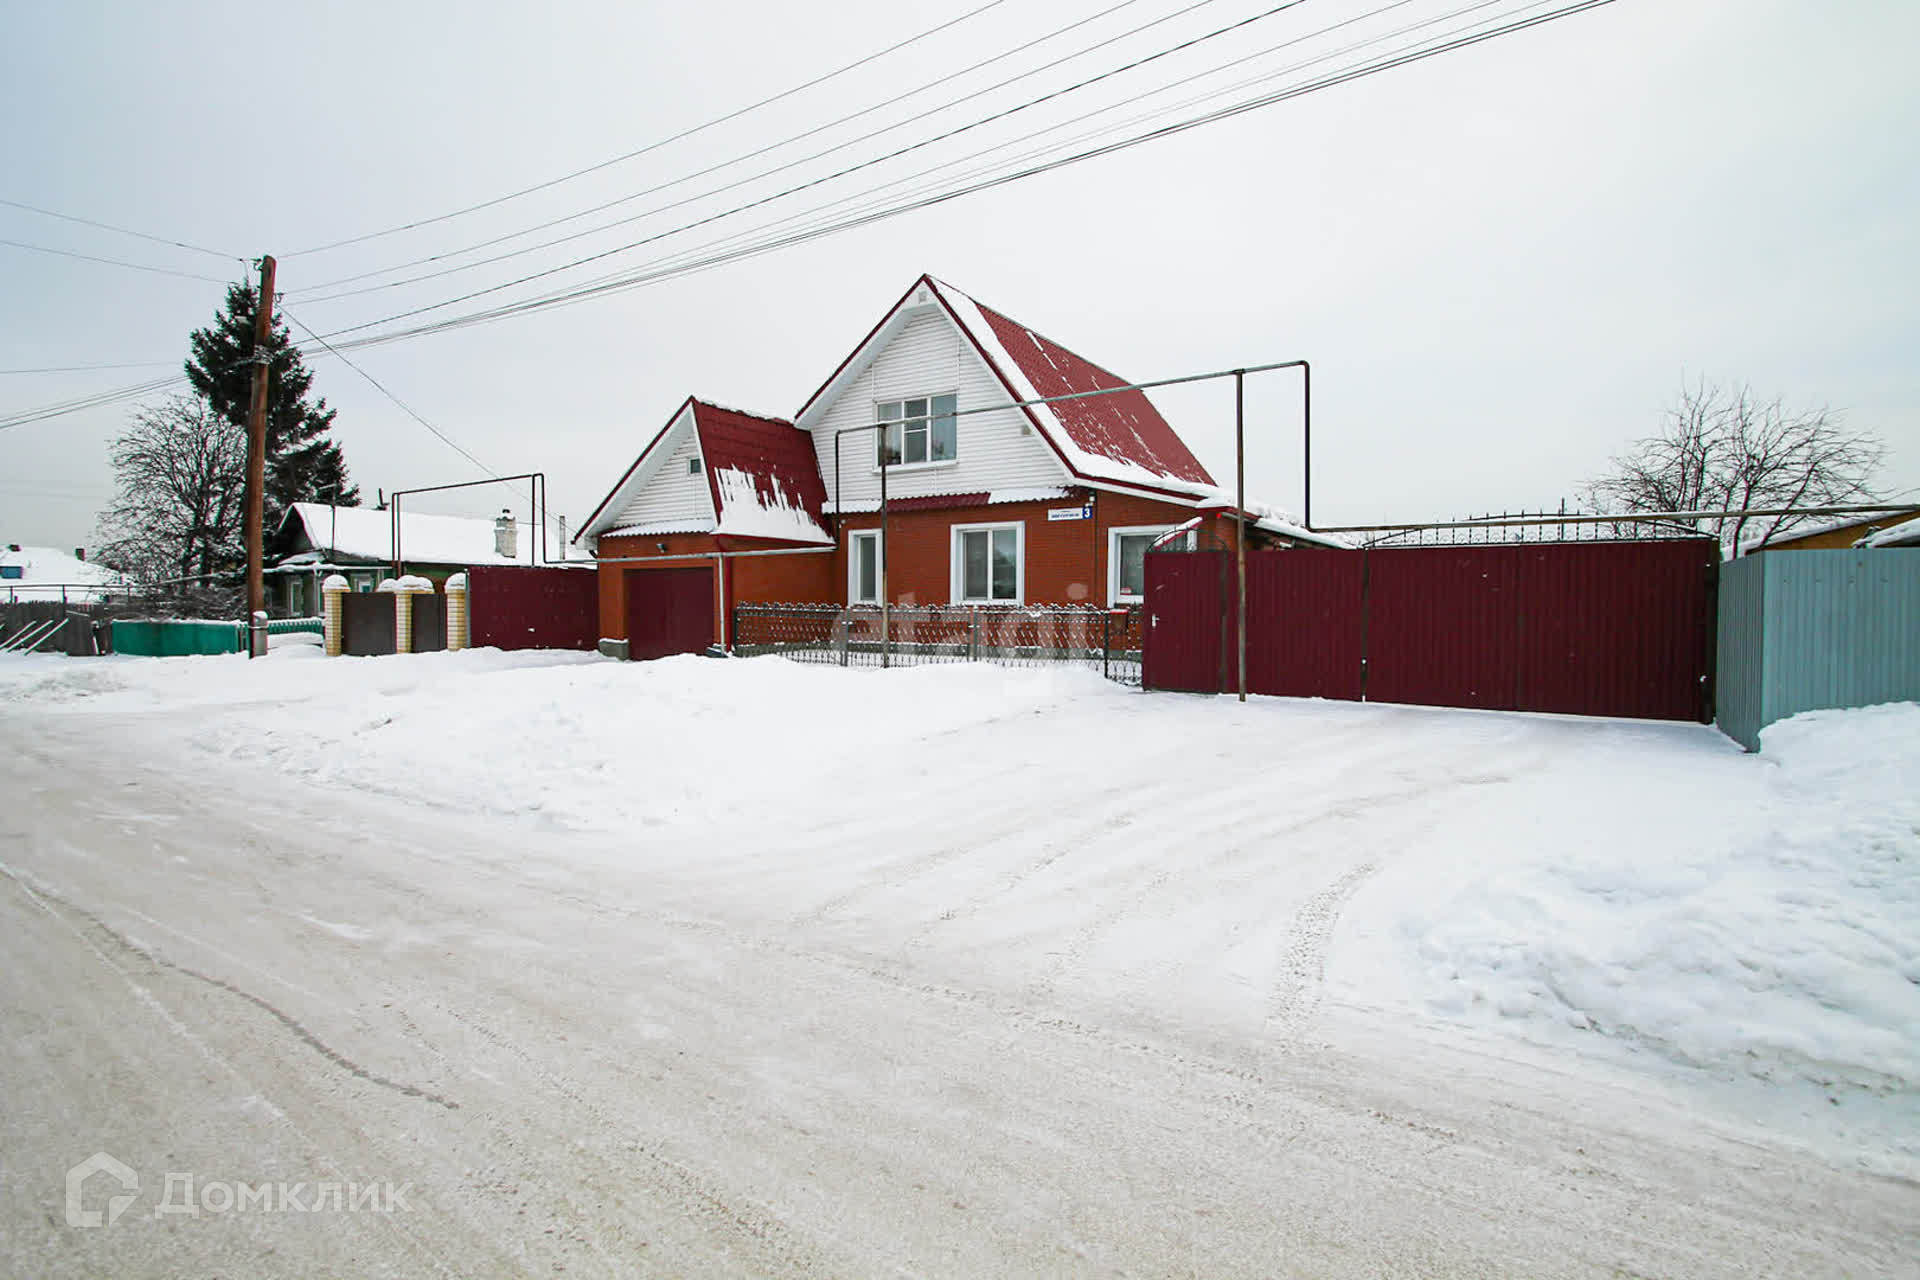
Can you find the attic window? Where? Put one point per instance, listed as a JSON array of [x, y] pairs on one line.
[[693, 466], [918, 430]]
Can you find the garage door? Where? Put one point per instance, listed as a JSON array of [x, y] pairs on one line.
[[668, 611]]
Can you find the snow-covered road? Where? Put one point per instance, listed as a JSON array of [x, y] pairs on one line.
[[961, 973]]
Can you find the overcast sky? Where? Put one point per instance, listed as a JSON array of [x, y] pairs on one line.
[[1503, 262]]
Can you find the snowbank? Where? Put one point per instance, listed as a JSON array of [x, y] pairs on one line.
[[1643, 894], [1770, 929]]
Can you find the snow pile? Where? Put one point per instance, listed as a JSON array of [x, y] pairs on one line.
[[1758, 923]]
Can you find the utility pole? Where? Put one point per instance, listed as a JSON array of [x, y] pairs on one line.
[[257, 457]]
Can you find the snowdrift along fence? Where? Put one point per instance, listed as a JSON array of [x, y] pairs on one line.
[[1107, 640], [1613, 629]]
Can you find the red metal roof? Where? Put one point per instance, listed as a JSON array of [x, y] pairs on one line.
[[1124, 427], [775, 454]]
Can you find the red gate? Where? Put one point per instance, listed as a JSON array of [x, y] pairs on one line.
[[521, 607], [668, 611], [1183, 646], [1614, 629]]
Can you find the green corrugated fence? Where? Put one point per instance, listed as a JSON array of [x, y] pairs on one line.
[[172, 638]]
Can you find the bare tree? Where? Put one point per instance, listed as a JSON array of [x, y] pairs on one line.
[[176, 519], [1723, 449]]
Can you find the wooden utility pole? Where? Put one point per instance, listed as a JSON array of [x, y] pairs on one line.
[[257, 457]]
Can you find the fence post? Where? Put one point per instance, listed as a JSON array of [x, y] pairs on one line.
[[404, 591], [333, 594], [457, 613], [973, 633], [1106, 643]]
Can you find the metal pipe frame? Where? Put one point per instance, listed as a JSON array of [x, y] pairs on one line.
[[536, 503]]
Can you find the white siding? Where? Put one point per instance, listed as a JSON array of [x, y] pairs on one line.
[[672, 497], [930, 356]]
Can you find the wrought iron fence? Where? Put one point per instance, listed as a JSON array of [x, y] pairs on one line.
[[1564, 525], [1107, 640]]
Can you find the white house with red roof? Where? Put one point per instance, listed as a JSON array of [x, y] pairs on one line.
[[991, 500]]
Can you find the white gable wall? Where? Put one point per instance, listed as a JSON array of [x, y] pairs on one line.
[[927, 356], [670, 497]]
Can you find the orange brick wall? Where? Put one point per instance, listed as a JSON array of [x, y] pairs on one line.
[[795, 579], [1066, 560]]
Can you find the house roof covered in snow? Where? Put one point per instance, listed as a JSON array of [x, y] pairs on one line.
[[366, 534], [1904, 534], [762, 478], [46, 573]]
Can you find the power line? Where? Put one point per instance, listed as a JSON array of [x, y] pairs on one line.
[[125, 231], [741, 159], [655, 146], [93, 401], [381, 388], [1387, 63], [89, 368], [841, 173], [112, 262]]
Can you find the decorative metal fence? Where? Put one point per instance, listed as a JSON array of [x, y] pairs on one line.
[[1107, 640]]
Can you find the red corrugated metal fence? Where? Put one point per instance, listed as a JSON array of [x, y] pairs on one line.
[[1614, 629], [521, 607]]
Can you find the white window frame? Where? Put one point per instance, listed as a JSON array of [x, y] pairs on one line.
[[855, 536], [957, 564], [1114, 534], [931, 462]]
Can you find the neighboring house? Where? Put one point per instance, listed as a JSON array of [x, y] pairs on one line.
[[45, 573], [1044, 504], [315, 540], [1904, 534], [1826, 535]]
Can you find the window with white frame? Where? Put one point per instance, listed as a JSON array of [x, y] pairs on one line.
[[919, 430], [863, 567], [989, 563], [1127, 558]]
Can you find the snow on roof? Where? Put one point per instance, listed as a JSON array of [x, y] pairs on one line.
[[366, 533], [44, 571], [1904, 534], [765, 477], [1116, 437]]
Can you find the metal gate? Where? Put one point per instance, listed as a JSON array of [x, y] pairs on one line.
[[520, 607], [1614, 629], [366, 622], [668, 611], [428, 624]]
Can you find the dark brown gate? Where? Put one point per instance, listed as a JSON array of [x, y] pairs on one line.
[[1612, 629], [520, 607], [366, 623], [668, 611], [429, 622]]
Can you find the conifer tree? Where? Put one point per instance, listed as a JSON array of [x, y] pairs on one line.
[[303, 465]]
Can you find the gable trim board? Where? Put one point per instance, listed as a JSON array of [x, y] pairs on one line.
[[752, 477], [977, 325]]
